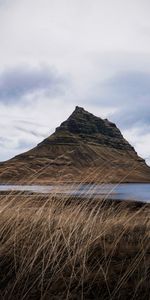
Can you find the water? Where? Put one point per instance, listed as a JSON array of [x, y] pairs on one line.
[[138, 192]]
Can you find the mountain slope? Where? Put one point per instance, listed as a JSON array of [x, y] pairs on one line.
[[84, 148]]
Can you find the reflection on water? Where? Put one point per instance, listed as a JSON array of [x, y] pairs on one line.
[[139, 192]]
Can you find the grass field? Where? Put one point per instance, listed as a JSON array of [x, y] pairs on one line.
[[57, 247]]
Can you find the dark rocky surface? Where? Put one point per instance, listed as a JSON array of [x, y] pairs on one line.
[[93, 129]]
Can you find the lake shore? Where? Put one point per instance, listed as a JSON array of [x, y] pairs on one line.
[[135, 192]]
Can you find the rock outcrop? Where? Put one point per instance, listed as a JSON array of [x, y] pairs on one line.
[[84, 148]]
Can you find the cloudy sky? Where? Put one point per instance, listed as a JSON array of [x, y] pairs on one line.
[[56, 54]]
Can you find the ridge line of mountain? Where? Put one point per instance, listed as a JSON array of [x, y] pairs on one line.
[[82, 144]]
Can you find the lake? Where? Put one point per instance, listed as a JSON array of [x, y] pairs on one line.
[[139, 192]]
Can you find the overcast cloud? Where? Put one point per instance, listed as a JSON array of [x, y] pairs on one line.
[[56, 54], [21, 81]]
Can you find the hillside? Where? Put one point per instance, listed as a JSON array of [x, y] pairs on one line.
[[83, 148]]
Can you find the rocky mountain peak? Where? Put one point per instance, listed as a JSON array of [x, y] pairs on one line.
[[79, 109], [83, 122], [85, 126]]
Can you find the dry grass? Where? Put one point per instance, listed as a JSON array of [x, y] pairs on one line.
[[61, 248]]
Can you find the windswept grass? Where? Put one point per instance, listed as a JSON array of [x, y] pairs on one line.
[[63, 248]]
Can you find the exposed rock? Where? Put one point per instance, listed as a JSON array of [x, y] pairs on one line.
[[83, 148], [93, 129]]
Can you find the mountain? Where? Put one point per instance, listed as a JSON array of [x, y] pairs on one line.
[[84, 148]]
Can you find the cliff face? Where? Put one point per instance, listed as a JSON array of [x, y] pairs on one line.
[[84, 148], [93, 130]]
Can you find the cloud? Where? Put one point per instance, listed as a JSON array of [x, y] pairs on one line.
[[25, 123], [21, 81], [129, 85], [4, 2], [129, 93], [30, 102]]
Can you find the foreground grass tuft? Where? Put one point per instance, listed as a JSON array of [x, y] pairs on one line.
[[64, 248]]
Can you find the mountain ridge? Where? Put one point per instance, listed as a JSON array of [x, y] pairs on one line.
[[83, 148]]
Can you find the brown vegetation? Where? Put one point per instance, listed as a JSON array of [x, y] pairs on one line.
[[65, 248]]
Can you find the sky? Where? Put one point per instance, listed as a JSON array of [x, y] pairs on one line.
[[56, 54]]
